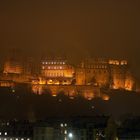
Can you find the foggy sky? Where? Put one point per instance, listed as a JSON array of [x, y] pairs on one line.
[[76, 28]]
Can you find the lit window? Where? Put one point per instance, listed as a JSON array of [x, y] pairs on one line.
[[0, 133], [5, 139], [5, 133], [43, 63], [61, 125], [54, 62], [22, 138], [16, 138], [46, 63], [48, 67], [60, 67], [63, 62], [10, 138], [65, 132], [28, 139], [65, 124]]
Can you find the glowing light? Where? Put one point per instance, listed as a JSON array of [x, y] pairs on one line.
[[65, 124], [70, 135], [61, 125], [65, 132], [54, 95], [105, 97], [5, 133], [71, 97]]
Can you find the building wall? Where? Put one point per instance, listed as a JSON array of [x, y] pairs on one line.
[[56, 68], [92, 72], [13, 67], [112, 73], [43, 133]]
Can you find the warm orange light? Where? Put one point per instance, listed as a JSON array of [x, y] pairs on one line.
[[105, 97], [54, 95]]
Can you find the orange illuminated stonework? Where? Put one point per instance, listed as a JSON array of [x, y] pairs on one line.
[[102, 73], [57, 71], [114, 74], [12, 67]]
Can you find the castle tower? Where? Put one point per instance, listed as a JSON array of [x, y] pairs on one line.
[[13, 63]]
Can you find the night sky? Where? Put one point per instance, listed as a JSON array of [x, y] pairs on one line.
[[77, 29]]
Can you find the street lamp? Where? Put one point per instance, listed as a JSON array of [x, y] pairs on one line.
[[70, 135]]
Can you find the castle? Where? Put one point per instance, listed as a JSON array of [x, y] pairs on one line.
[[58, 72]]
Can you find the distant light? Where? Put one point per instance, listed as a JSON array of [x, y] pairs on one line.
[[5, 133], [65, 124], [16, 138], [5, 139], [0, 133], [92, 107], [13, 90], [54, 95], [70, 135], [65, 132], [28, 138], [60, 100], [71, 97], [22, 138], [61, 125]]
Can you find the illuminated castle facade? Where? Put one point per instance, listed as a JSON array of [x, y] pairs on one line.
[[57, 71], [113, 74], [105, 73]]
